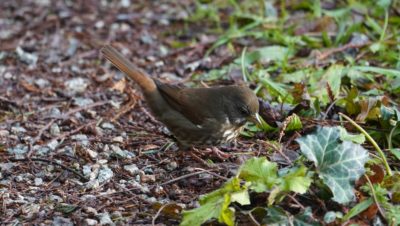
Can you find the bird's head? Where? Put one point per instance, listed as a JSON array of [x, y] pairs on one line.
[[244, 106]]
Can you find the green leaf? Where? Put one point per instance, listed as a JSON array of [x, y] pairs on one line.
[[261, 173], [214, 205], [358, 209], [266, 54], [276, 89], [338, 164], [332, 77], [346, 136], [296, 180], [294, 123], [378, 70], [277, 217], [395, 152], [241, 197], [331, 216]]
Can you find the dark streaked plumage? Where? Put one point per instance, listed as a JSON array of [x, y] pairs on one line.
[[195, 116]]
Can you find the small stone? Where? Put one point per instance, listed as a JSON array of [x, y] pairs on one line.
[[54, 129], [62, 221], [172, 166], [90, 210], [79, 101], [132, 169], [38, 181], [8, 75], [19, 178], [118, 153], [41, 150], [52, 145], [18, 129], [116, 215], [4, 133], [20, 149], [102, 161], [76, 85], [99, 24], [86, 170], [105, 174], [118, 139], [28, 58], [42, 83], [55, 198], [92, 154], [88, 198], [55, 112], [107, 125], [82, 138], [144, 178], [90, 222], [105, 219], [143, 189]]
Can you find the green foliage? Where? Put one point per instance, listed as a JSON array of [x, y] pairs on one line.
[[338, 164], [259, 175], [277, 216], [342, 58], [216, 205]]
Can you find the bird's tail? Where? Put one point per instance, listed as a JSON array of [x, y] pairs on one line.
[[135, 73]]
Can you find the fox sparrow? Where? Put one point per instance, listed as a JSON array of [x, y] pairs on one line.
[[197, 117]]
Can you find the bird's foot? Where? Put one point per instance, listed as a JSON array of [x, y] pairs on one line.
[[218, 153]]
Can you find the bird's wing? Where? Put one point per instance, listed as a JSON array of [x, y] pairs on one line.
[[194, 104]]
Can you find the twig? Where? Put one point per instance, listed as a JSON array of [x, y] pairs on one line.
[[153, 221], [374, 196], [329, 52], [124, 110], [78, 109], [66, 134], [146, 112], [254, 219], [296, 201], [191, 175], [83, 178], [41, 131]]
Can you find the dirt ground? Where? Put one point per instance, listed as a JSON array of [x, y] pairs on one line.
[[67, 115]]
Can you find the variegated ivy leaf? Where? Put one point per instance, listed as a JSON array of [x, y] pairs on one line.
[[339, 164]]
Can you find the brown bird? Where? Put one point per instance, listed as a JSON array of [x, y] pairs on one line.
[[197, 117]]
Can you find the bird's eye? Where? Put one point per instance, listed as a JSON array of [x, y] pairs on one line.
[[245, 110]]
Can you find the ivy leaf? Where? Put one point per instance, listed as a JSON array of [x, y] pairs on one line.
[[338, 164], [346, 136], [214, 205], [296, 180], [276, 216], [261, 173]]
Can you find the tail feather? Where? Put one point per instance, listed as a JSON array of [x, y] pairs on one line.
[[135, 73]]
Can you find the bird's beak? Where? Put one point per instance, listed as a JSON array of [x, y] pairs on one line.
[[256, 119]]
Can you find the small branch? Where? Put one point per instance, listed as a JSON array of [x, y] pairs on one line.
[[78, 109], [66, 134], [41, 131], [191, 175], [374, 196], [153, 221], [329, 52], [83, 178]]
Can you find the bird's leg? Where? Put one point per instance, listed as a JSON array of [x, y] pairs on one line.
[[197, 158], [218, 153]]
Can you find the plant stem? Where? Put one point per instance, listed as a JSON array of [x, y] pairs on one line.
[[378, 149]]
